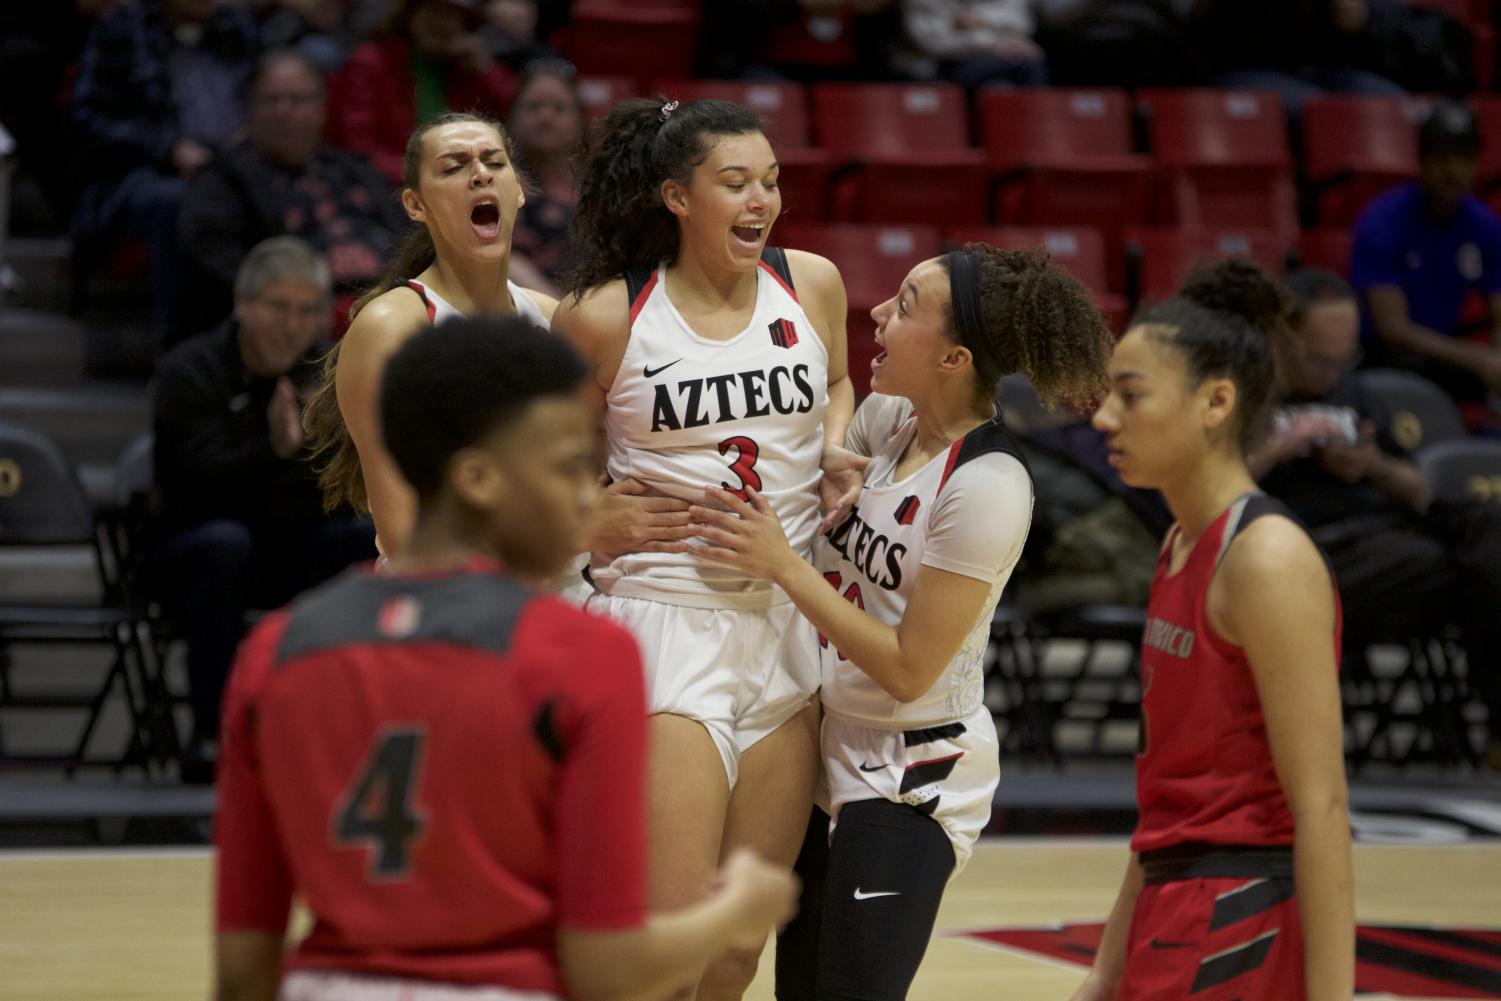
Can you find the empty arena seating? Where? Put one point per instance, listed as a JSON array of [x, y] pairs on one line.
[[1065, 158], [1355, 147], [647, 38], [1164, 257], [901, 153], [1222, 158]]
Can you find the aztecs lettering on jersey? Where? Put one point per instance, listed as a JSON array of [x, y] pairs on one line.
[[871, 552], [1173, 640], [692, 403]]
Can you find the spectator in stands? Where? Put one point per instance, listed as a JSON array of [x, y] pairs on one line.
[[1298, 48], [283, 179], [159, 88], [511, 33], [1423, 252], [243, 523], [325, 31], [546, 125], [433, 59], [1116, 43], [1403, 560], [37, 44], [975, 42]]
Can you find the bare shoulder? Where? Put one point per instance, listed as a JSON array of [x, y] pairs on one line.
[[1272, 573], [546, 304], [1272, 550], [814, 275], [595, 316], [383, 325]]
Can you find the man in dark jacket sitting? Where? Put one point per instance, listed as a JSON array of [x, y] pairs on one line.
[[243, 521], [283, 180]]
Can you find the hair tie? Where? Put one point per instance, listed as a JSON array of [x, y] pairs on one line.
[[969, 318], [667, 110]]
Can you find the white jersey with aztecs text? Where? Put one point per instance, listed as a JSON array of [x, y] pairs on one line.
[[966, 511], [686, 412]]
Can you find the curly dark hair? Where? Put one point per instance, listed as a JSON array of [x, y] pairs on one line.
[[1042, 323], [620, 222], [1248, 312], [333, 452]]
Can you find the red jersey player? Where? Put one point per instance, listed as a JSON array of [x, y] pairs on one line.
[[444, 765], [1240, 882]]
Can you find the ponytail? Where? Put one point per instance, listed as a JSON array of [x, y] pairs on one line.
[[620, 223]]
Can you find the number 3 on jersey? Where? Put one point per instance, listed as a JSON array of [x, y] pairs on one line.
[[744, 466], [377, 811]]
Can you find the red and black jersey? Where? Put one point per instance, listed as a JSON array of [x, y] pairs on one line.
[[446, 769], [1204, 771]]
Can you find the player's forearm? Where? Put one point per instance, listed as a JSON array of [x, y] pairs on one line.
[[840, 411], [649, 963], [1326, 899], [248, 966], [1110, 958], [871, 644], [1451, 351]]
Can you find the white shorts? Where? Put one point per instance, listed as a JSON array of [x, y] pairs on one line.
[[740, 672], [331, 985], [949, 772]]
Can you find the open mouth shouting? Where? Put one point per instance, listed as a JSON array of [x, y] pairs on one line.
[[484, 216]]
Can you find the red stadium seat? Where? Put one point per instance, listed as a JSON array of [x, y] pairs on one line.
[[1079, 250], [873, 260], [901, 153], [1326, 248], [781, 104], [637, 40], [1222, 158], [783, 108], [1166, 256], [599, 94], [1355, 147], [1064, 158]]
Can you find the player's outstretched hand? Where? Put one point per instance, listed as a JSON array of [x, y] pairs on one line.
[[764, 896], [843, 478], [744, 534]]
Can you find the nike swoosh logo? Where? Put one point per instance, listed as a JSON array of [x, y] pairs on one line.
[[880, 893], [1170, 945], [868, 768], [652, 373]]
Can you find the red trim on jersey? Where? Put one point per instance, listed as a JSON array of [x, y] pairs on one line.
[[935, 761], [645, 294], [432, 307], [788, 288], [948, 467]]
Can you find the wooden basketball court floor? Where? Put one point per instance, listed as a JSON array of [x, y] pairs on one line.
[[134, 924]]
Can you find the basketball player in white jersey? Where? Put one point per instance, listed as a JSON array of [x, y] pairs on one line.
[[903, 591], [718, 360], [462, 190]]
